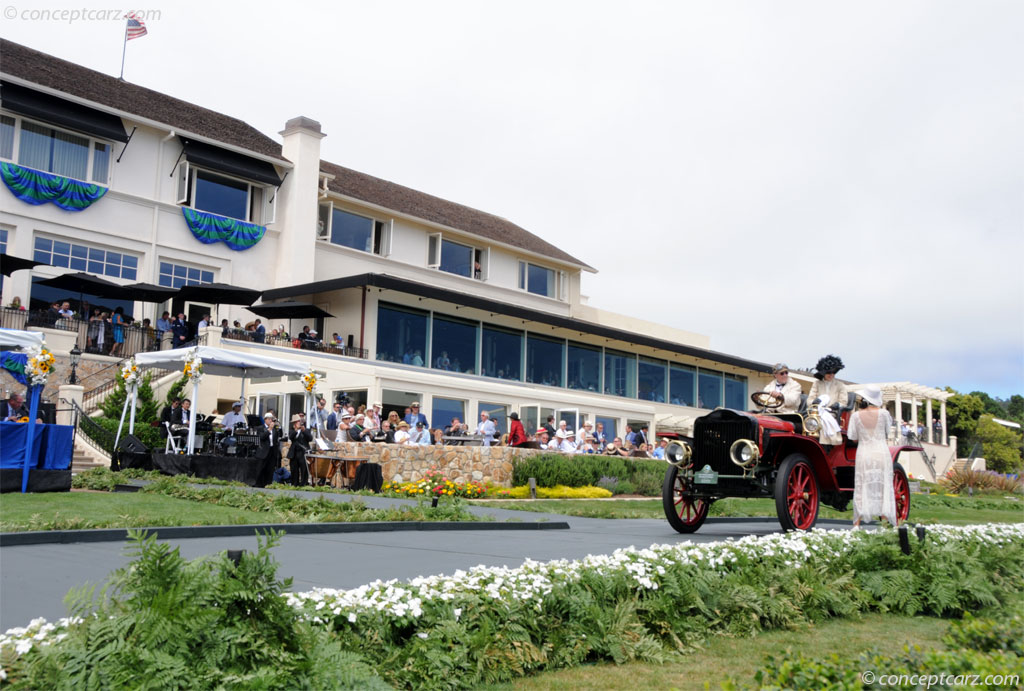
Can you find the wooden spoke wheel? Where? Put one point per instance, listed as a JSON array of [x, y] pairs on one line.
[[684, 513], [901, 489], [796, 494]]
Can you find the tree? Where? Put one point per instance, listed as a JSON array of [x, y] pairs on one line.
[[993, 406], [962, 413], [1015, 408], [1001, 445]]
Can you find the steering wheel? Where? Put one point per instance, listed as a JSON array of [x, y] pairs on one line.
[[765, 400]]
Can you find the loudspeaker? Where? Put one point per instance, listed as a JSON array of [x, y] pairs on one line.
[[48, 413], [132, 444]]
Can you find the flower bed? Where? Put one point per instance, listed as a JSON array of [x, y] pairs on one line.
[[435, 484], [490, 624]]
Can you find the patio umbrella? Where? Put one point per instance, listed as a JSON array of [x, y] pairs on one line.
[[80, 283], [289, 310], [9, 263], [147, 292], [219, 294]]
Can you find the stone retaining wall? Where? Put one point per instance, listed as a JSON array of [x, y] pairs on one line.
[[400, 463]]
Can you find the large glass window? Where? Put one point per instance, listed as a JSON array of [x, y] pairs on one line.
[[498, 413], [651, 379], [51, 150], [619, 374], [220, 195], [84, 258], [544, 360], [351, 230], [682, 385], [456, 258], [536, 279], [401, 335], [178, 275], [6, 137], [584, 367], [444, 409], [735, 392], [81, 304], [609, 423], [502, 355], [709, 392], [454, 345]]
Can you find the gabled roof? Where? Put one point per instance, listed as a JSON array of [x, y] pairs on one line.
[[52, 72], [389, 195]]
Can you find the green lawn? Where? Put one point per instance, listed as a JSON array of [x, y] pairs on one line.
[[75, 510], [923, 508], [740, 658]]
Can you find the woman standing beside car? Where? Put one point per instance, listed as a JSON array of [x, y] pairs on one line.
[[873, 491]]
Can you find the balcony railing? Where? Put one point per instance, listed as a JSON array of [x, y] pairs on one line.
[[318, 346], [136, 339]]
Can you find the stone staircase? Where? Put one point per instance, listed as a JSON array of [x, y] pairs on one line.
[[86, 456]]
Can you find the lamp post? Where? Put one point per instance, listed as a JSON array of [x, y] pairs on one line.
[[76, 355]]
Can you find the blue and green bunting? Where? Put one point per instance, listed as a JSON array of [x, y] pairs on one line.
[[36, 187], [209, 228]]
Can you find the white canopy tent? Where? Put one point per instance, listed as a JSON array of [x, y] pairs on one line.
[[13, 338], [220, 362]]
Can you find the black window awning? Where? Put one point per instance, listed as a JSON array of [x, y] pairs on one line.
[[230, 162], [57, 111]]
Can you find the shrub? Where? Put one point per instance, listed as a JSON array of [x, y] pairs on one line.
[[434, 483], [959, 480], [163, 622], [550, 469], [561, 492]]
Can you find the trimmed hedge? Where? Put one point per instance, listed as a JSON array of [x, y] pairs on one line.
[[551, 469]]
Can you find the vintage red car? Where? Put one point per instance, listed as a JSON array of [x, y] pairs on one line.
[[734, 453]]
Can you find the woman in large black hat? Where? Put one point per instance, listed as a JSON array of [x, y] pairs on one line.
[[826, 384]]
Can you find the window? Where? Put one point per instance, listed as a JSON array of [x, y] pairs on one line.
[[498, 413], [502, 353], [544, 360], [454, 344], [51, 150], [3, 240], [584, 367], [178, 275], [682, 385], [444, 409], [709, 392], [85, 258], [651, 379], [735, 392], [619, 374], [528, 416], [227, 196], [401, 335], [537, 279], [352, 230], [456, 258], [609, 427]]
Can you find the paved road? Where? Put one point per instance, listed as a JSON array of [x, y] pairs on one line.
[[34, 579]]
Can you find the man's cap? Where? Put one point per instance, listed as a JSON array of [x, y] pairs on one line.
[[541, 430], [414, 404], [346, 416], [420, 423], [296, 417], [403, 423], [779, 367], [266, 415], [236, 404]]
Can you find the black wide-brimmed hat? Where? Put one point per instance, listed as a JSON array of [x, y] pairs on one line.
[[830, 364]]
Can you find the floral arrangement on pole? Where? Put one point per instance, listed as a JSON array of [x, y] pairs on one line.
[[39, 365], [309, 380], [130, 373], [193, 367]]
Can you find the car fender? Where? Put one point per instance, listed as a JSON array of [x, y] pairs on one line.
[[796, 443]]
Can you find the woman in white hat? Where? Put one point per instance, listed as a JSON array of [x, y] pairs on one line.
[[873, 492]]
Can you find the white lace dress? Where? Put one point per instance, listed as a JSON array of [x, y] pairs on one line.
[[873, 493]]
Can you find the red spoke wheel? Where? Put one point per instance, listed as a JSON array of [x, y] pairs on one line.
[[796, 494], [901, 489], [684, 513]]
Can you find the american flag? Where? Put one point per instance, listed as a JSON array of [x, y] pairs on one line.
[[136, 29]]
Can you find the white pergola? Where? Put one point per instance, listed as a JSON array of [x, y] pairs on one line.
[[218, 361], [901, 392]]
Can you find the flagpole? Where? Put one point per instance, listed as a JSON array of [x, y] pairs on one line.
[[124, 49]]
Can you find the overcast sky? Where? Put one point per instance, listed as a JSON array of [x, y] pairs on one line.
[[790, 178]]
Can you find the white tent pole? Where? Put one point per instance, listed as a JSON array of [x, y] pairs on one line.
[[192, 419], [135, 400], [120, 425], [245, 404]]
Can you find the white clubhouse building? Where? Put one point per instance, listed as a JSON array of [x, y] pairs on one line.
[[434, 302]]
